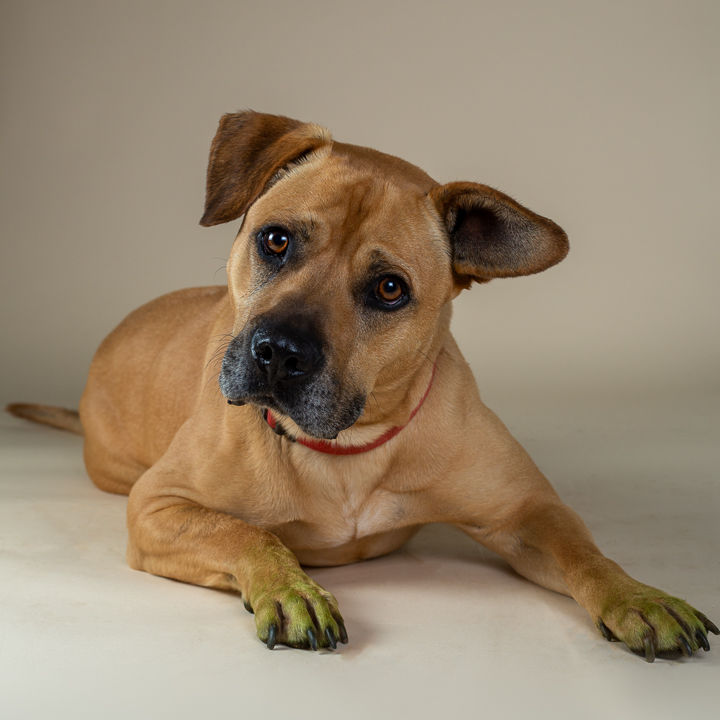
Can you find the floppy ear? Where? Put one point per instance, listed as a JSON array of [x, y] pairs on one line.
[[248, 149], [493, 236]]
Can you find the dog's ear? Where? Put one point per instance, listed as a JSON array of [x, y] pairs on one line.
[[493, 236], [248, 149]]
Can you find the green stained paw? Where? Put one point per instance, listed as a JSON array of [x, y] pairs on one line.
[[654, 624], [296, 611]]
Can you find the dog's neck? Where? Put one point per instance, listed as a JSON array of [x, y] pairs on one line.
[[334, 448]]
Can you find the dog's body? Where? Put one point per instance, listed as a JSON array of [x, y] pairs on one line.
[[336, 320]]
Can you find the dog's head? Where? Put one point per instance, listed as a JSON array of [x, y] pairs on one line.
[[343, 271]]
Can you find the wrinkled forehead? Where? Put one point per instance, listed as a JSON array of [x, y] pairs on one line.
[[353, 208]]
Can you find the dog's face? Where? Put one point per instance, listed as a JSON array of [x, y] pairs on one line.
[[338, 279], [343, 271]]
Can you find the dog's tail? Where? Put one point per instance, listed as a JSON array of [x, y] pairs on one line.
[[48, 415]]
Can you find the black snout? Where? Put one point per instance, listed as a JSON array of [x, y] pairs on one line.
[[285, 354]]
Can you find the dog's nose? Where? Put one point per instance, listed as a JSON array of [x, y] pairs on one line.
[[285, 354]]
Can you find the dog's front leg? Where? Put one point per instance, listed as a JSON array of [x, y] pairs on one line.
[[173, 536], [500, 498], [548, 543]]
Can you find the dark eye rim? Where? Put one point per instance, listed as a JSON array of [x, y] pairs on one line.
[[262, 237], [374, 300]]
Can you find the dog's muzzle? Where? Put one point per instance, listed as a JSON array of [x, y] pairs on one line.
[[283, 367]]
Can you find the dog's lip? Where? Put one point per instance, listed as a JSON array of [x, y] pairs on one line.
[[263, 401], [271, 403]]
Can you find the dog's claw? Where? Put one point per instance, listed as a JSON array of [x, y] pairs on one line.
[[343, 633], [702, 640], [330, 638], [312, 639], [605, 630], [711, 626], [685, 648], [248, 607], [649, 647], [272, 637]]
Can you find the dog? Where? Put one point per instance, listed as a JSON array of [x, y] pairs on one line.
[[307, 413]]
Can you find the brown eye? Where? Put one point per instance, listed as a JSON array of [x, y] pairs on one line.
[[275, 241], [389, 290]]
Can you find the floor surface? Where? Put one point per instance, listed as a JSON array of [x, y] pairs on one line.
[[440, 628]]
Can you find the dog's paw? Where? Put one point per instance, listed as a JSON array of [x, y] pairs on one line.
[[298, 613], [655, 624]]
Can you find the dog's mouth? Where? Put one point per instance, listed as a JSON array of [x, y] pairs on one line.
[[311, 415]]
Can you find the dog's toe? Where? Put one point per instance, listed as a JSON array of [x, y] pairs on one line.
[[654, 624]]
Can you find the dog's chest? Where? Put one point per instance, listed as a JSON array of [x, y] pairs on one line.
[[333, 509], [356, 526], [353, 511], [362, 514]]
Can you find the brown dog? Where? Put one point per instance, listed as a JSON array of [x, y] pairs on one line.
[[342, 386]]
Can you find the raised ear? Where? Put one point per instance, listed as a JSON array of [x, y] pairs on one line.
[[493, 236], [248, 149]]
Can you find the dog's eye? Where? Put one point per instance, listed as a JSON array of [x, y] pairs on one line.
[[275, 240], [389, 290]]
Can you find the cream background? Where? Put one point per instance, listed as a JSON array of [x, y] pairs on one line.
[[602, 115]]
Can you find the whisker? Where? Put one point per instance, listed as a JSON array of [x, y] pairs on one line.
[[429, 360], [223, 340], [222, 267], [217, 392], [218, 337], [210, 379]]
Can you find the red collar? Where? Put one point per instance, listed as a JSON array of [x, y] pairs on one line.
[[324, 446]]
